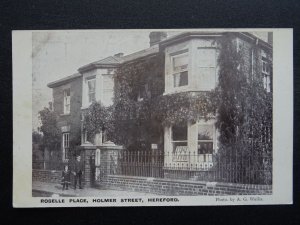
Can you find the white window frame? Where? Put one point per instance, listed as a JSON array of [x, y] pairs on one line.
[[67, 101], [179, 71], [65, 145], [265, 70], [91, 79], [177, 156], [206, 157]]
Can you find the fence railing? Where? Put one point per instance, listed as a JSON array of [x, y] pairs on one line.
[[202, 167], [140, 163]]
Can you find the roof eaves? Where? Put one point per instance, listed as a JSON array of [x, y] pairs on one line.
[[187, 36], [63, 80]]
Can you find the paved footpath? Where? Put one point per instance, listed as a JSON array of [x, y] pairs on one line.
[[42, 189]]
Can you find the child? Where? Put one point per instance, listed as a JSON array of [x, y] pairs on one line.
[[66, 178]]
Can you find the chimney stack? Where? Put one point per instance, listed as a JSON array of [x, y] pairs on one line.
[[156, 37], [120, 54]]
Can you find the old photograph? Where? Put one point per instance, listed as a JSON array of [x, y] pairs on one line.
[[153, 116]]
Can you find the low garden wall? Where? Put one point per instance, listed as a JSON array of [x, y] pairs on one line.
[[162, 186], [48, 176], [181, 187]]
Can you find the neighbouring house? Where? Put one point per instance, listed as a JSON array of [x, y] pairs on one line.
[[190, 66], [67, 98]]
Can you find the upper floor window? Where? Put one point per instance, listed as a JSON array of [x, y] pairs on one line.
[[265, 66], [180, 69], [91, 83], [207, 61], [67, 101]]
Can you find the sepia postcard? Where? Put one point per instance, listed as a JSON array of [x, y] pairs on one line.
[[170, 117]]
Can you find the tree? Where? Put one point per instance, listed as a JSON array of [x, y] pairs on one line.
[[49, 128], [37, 137]]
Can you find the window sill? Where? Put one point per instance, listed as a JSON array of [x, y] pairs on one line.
[[184, 90], [65, 114]]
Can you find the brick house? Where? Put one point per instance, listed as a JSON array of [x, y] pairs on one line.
[[67, 100], [190, 66]]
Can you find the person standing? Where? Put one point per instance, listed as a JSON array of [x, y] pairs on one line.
[[66, 177], [78, 172]]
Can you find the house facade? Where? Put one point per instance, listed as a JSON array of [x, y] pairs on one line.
[[191, 66], [67, 101]]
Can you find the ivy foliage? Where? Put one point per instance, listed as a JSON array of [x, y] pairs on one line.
[[244, 113], [182, 107], [137, 85], [97, 118]]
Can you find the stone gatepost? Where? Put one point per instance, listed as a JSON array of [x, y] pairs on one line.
[[88, 153], [109, 159], [106, 165]]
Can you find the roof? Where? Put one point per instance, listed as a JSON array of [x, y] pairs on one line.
[[200, 34], [141, 54], [108, 62], [63, 80]]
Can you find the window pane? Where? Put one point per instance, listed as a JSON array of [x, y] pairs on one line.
[[205, 132], [92, 97], [180, 79], [183, 78], [91, 85], [205, 147], [180, 62], [179, 133]]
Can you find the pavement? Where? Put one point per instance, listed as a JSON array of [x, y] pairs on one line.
[[42, 189]]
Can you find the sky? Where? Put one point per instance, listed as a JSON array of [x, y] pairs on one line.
[[57, 54]]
